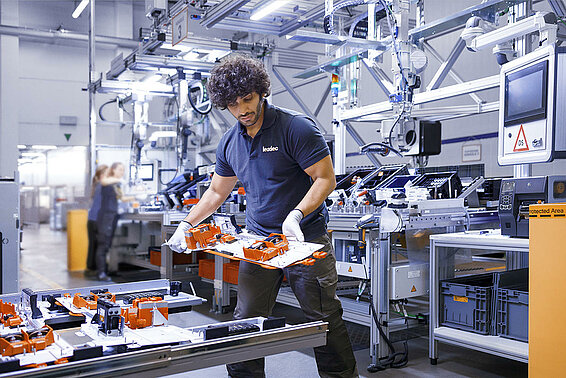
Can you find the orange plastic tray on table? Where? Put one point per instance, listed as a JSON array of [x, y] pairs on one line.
[[230, 272], [206, 268], [178, 258]]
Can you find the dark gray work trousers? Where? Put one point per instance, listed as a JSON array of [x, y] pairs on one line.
[[315, 289]]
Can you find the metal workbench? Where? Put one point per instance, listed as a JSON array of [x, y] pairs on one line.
[[443, 249]]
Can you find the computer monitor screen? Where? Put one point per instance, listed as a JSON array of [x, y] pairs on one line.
[[526, 94], [145, 172]]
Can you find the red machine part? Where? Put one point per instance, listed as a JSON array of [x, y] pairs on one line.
[[263, 250], [197, 237], [8, 315], [140, 314], [14, 344], [89, 301]]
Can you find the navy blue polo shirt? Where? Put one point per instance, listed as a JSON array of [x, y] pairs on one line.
[[271, 168]]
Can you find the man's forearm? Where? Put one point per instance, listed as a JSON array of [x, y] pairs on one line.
[[318, 192], [207, 205]]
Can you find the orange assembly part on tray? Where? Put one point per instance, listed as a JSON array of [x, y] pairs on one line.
[[140, 314], [89, 301], [9, 316], [263, 250], [220, 238], [17, 343], [197, 237]]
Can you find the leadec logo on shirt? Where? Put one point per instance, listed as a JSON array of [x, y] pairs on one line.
[[270, 149]]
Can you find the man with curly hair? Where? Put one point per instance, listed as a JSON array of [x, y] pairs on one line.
[[284, 164]]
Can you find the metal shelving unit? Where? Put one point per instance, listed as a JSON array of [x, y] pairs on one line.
[[443, 248]]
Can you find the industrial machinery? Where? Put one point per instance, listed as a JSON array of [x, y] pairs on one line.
[[137, 326], [518, 193], [531, 114]]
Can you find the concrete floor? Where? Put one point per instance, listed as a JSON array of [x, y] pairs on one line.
[[43, 265]]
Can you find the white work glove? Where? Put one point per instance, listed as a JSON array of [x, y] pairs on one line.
[[177, 242], [291, 227]]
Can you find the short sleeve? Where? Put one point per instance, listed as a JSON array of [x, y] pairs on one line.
[[307, 145], [222, 167]]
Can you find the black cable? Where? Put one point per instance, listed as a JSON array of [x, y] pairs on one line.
[[102, 106], [386, 146], [391, 360]]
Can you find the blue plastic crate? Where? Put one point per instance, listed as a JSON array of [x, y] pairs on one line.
[[467, 303], [513, 305]]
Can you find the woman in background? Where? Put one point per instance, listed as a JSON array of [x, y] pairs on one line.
[[96, 196], [107, 218]]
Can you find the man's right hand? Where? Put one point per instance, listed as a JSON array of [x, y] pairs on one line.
[[177, 242]]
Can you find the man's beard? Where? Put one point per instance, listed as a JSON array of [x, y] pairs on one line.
[[254, 120]]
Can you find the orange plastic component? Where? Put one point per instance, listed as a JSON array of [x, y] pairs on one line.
[[241, 191], [320, 255], [363, 193], [61, 361], [89, 301], [308, 262], [9, 315], [14, 344], [41, 338], [263, 250], [17, 343], [220, 238], [197, 237], [190, 201], [140, 314]]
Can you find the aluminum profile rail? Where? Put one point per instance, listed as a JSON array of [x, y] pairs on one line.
[[331, 39], [428, 96], [309, 16], [220, 11], [138, 62], [164, 360], [485, 10], [332, 65]]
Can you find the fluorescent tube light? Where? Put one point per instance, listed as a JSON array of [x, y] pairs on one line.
[[267, 9], [43, 147], [22, 146], [80, 8]]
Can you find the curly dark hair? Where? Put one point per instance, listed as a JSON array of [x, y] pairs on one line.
[[236, 76]]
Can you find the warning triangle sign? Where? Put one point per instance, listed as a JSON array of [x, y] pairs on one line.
[[413, 289], [521, 142], [350, 269]]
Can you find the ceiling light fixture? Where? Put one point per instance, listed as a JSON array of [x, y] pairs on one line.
[[267, 9]]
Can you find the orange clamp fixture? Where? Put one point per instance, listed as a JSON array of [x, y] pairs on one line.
[[9, 315], [89, 301], [196, 237], [363, 193], [17, 343], [263, 250], [140, 314]]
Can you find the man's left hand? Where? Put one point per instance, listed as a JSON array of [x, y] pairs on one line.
[[291, 227]]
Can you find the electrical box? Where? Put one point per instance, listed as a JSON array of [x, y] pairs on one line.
[[532, 97], [408, 280]]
